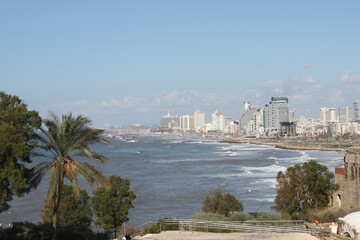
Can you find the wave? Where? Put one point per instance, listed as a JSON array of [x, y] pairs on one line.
[[267, 181], [262, 199], [228, 153], [172, 141], [185, 160], [304, 157], [268, 169]]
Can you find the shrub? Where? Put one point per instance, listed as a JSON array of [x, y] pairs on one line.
[[326, 215], [239, 217], [160, 226], [264, 216], [31, 231], [222, 204]]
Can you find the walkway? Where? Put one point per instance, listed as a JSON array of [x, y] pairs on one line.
[[177, 235]]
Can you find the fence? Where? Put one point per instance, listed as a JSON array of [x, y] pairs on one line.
[[246, 226]]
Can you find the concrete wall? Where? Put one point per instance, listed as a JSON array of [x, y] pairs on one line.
[[348, 178]]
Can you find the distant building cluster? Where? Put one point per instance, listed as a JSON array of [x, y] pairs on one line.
[[197, 123], [273, 119]]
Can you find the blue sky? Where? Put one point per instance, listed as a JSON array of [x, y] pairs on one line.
[[126, 62]]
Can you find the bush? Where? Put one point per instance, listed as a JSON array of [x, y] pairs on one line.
[[160, 226], [222, 204], [264, 216], [239, 217], [326, 215], [31, 231]]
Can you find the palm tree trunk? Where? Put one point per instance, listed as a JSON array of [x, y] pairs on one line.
[[56, 208], [54, 223]]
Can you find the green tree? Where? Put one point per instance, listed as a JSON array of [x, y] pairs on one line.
[[17, 133], [222, 204], [62, 142], [304, 187], [72, 210], [111, 206]]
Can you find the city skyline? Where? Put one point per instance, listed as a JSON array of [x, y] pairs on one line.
[[130, 62]]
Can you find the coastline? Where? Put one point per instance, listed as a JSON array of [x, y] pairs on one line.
[[282, 143], [286, 146]]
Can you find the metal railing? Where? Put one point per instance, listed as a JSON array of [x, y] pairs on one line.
[[246, 226]]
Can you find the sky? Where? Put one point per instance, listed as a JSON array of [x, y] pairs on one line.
[[130, 62]]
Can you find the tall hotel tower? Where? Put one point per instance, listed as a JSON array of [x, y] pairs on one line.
[[276, 112]]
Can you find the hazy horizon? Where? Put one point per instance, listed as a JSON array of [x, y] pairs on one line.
[[127, 62]]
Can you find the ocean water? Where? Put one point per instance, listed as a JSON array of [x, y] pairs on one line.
[[171, 175]]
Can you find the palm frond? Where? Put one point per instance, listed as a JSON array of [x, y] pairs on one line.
[[92, 175], [38, 172], [86, 152]]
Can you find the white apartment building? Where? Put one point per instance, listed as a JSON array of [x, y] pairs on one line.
[[328, 115], [218, 121], [186, 123]]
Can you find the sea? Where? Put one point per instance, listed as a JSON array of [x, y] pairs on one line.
[[171, 175]]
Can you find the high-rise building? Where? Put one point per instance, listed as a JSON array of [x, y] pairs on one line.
[[323, 111], [276, 112], [251, 119], [345, 115], [328, 115], [169, 122], [186, 123], [199, 120], [218, 121], [357, 111]]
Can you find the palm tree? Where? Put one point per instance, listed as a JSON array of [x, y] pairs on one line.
[[62, 142]]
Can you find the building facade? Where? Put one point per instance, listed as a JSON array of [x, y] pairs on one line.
[[348, 178], [251, 119], [169, 122], [186, 123], [345, 115], [275, 112], [357, 111], [328, 115], [199, 120]]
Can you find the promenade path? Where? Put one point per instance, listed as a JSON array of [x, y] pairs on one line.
[[177, 235]]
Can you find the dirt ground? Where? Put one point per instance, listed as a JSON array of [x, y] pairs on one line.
[[177, 235]]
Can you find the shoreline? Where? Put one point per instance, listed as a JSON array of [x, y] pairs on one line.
[[286, 146]]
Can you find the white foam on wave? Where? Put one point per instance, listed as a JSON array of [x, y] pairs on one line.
[[228, 153], [268, 169], [229, 175], [262, 199], [304, 157], [271, 182], [272, 158], [173, 141]]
